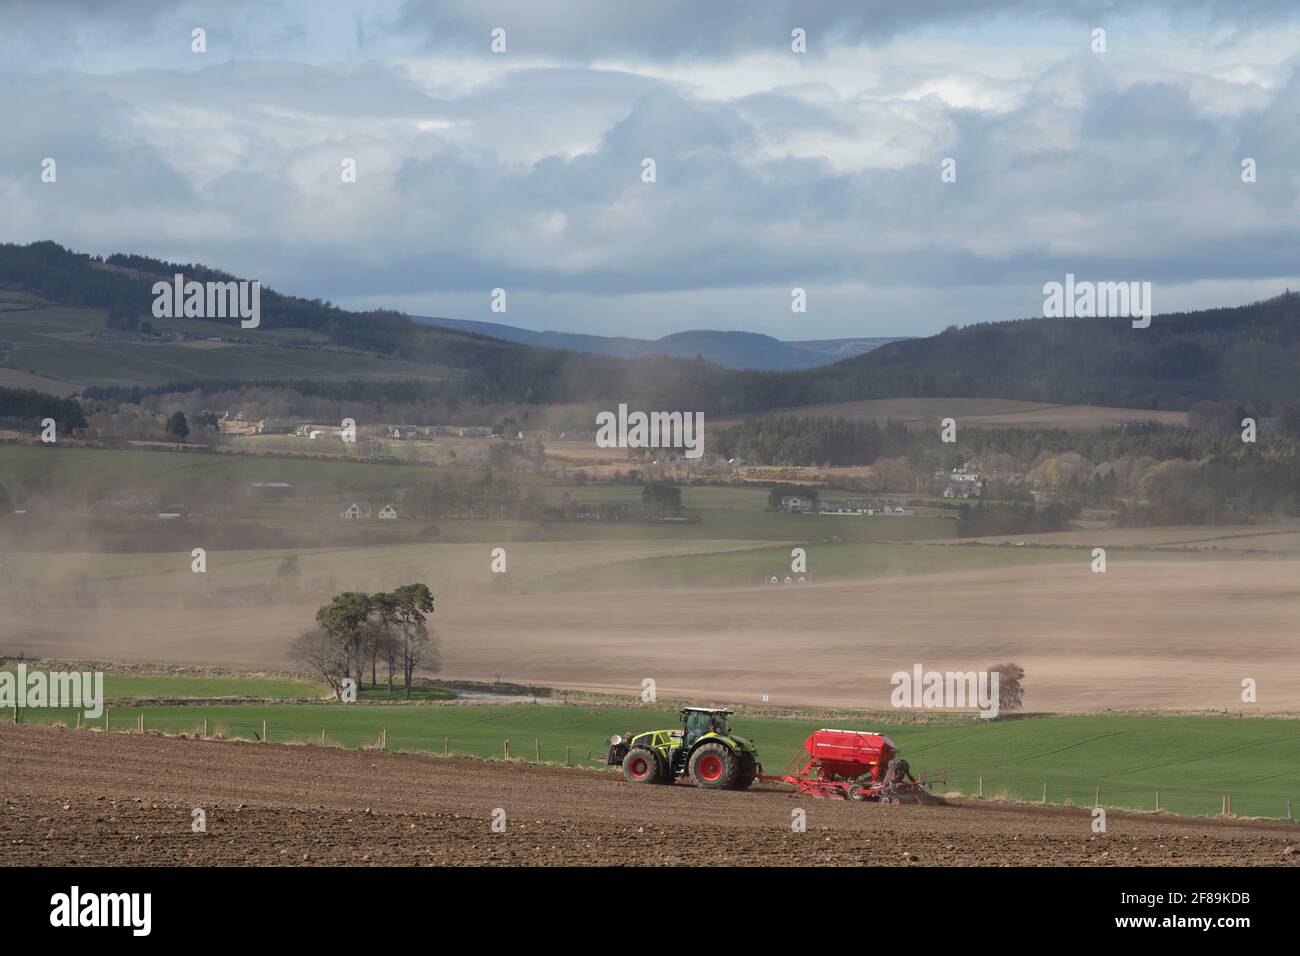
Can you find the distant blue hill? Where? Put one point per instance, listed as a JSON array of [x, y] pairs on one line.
[[737, 350]]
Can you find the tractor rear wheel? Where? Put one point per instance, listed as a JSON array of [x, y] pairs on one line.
[[714, 767], [748, 771], [641, 765]]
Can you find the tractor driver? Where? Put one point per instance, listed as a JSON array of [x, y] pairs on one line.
[[697, 725]]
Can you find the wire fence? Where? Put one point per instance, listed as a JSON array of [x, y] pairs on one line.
[[291, 727]]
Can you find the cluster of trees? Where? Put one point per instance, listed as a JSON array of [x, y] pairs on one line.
[[355, 629], [123, 318], [783, 491], [660, 499], [798, 440], [26, 408], [808, 440], [1157, 474]]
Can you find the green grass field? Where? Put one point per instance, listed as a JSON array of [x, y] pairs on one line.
[[124, 686], [1191, 761], [832, 561], [143, 472], [51, 342]]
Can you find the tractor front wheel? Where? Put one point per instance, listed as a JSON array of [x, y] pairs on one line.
[[641, 765], [714, 767]]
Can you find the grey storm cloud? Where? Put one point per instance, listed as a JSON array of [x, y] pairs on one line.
[[477, 172], [670, 29]]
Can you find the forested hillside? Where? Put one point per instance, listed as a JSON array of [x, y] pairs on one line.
[[1248, 353]]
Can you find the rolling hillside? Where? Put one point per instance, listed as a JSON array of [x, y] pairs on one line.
[[1245, 354], [734, 350]]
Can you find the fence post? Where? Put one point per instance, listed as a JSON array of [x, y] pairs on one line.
[[537, 750], [1044, 800], [981, 793], [78, 722], [140, 722], [1223, 805], [264, 731], [1096, 797], [1288, 810], [15, 713], [1157, 801], [106, 718], [445, 749], [205, 728], [322, 736], [506, 751], [566, 763]]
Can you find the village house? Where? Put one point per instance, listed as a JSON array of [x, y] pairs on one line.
[[388, 513], [239, 425], [844, 506], [964, 482], [798, 504], [357, 510]]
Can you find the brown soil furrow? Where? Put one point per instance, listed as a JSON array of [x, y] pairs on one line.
[[77, 798]]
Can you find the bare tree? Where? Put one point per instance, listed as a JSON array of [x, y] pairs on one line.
[[324, 655], [1010, 693]]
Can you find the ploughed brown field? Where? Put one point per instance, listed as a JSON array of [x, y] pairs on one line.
[[85, 798], [1144, 635]]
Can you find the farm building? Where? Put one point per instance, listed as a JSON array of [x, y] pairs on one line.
[[388, 513], [798, 504], [845, 506], [239, 425], [269, 489], [357, 510]]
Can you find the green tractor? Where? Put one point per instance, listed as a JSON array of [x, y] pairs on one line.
[[703, 748]]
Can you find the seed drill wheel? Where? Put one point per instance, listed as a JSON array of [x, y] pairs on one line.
[[714, 767], [641, 765]]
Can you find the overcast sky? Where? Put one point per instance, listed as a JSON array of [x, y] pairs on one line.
[[775, 169]]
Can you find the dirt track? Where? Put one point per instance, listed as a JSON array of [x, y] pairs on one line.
[[78, 798]]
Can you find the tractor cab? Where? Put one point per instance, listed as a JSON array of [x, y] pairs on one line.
[[698, 721]]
